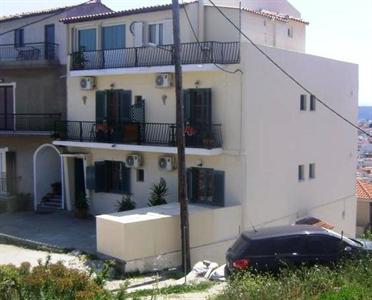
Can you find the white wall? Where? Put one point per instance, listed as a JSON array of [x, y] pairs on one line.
[[279, 137]]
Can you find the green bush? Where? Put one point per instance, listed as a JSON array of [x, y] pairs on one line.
[[126, 204], [349, 280], [50, 282], [158, 192]]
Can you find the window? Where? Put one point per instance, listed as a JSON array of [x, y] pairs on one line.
[[301, 172], [112, 177], [323, 245], [113, 37], [289, 245], [312, 103], [19, 37], [140, 175], [303, 102], [156, 33], [290, 32], [206, 186], [312, 171], [87, 39]]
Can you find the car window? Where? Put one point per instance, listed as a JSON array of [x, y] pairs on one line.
[[319, 244], [285, 245], [240, 246], [261, 247]]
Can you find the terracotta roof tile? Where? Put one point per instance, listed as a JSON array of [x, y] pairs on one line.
[[275, 15], [363, 190]]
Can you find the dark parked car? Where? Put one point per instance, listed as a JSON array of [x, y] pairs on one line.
[[268, 249]]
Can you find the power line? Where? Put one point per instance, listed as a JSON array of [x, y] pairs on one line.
[[43, 19], [287, 74], [199, 43]]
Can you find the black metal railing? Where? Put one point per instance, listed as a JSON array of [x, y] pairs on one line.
[[8, 185], [28, 52], [155, 134], [191, 53], [28, 122]]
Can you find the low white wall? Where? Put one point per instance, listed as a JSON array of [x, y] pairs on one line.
[[149, 238]]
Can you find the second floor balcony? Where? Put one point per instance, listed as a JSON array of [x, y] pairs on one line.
[[28, 54], [191, 53], [206, 136], [32, 124]]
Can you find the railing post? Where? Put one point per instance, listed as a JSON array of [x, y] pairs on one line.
[[136, 57], [81, 131]]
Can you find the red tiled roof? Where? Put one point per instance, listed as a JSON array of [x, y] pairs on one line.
[[363, 190], [121, 13], [275, 16], [315, 222], [265, 13], [42, 12]]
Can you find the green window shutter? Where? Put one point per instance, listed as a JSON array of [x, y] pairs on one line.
[[125, 106], [125, 179], [187, 105], [101, 106], [219, 188], [90, 180], [192, 176], [100, 177]]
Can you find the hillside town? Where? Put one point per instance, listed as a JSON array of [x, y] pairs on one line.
[[185, 142]]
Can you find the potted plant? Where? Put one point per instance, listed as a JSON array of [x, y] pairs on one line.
[[82, 206], [126, 204], [78, 59], [207, 139], [158, 192]]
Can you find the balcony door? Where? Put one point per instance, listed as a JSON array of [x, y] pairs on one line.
[[113, 44], [113, 113], [49, 41], [6, 107]]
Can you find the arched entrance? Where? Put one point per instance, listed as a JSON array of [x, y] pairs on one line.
[[48, 177]]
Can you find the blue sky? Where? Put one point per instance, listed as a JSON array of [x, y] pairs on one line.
[[340, 29]]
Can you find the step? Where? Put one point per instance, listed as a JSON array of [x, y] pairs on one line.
[[53, 201], [51, 205]]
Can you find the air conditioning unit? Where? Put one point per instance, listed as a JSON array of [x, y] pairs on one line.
[[166, 163], [87, 83], [134, 161], [164, 80]]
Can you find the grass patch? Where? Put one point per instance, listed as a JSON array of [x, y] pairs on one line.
[[174, 289], [349, 280]]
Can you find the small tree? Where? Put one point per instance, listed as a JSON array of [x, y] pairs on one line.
[[158, 193], [125, 204]]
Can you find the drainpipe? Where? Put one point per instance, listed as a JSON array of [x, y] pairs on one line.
[[201, 18]]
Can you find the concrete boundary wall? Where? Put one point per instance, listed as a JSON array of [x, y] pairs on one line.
[[149, 238]]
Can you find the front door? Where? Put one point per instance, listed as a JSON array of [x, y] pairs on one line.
[[79, 178], [49, 42], [6, 107]]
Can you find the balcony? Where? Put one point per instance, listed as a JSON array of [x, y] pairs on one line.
[[30, 54], [33, 124], [191, 53], [143, 134]]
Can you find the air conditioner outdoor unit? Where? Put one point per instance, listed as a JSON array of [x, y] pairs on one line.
[[166, 163], [87, 83], [134, 161], [163, 80]]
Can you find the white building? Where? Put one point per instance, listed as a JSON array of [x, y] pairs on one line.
[[258, 147]]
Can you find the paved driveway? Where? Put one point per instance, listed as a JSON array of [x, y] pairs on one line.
[[58, 229]]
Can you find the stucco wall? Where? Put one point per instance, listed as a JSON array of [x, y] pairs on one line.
[[149, 238], [279, 137], [101, 203], [38, 90], [363, 213], [24, 146]]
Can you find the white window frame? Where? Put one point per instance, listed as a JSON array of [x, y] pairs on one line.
[[157, 35], [75, 45]]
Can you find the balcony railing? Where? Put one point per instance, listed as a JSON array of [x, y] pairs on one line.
[[154, 134], [28, 52], [28, 122], [191, 53]]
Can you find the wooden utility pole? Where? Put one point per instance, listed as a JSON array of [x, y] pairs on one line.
[[180, 130]]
